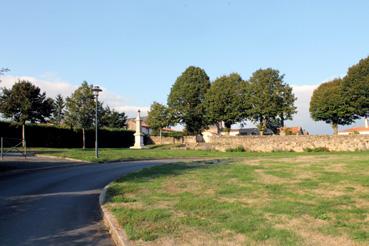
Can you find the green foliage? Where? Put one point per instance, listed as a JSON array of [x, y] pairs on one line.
[[158, 117], [39, 135], [318, 149], [80, 107], [272, 100], [355, 88], [226, 100], [111, 118], [238, 149], [24, 102], [58, 109], [327, 105], [186, 99]]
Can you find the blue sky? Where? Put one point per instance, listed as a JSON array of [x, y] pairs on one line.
[[136, 49]]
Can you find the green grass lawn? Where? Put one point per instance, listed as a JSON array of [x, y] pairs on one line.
[[267, 199], [160, 152]]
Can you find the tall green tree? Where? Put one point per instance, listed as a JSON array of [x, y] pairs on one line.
[[186, 99], [58, 109], [286, 103], [111, 118], [80, 109], [25, 102], [355, 88], [327, 105], [226, 101], [158, 117], [272, 100]]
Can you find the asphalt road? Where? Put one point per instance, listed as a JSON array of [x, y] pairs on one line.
[[57, 206]]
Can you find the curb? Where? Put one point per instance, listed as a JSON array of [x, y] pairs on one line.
[[60, 158], [117, 234]]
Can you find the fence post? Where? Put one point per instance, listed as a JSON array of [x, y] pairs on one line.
[[2, 146]]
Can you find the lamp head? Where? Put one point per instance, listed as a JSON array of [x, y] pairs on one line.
[[96, 89]]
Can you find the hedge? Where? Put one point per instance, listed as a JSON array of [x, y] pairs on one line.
[[58, 137]]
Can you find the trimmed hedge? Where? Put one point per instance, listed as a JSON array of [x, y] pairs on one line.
[[59, 137]]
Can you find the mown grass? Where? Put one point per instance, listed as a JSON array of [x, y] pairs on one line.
[[161, 152], [275, 199]]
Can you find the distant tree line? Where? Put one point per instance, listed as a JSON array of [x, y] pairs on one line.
[[343, 100], [25, 102], [196, 102]]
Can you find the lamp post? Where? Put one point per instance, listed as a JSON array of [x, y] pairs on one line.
[[96, 90]]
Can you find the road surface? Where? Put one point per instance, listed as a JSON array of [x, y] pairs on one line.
[[57, 206]]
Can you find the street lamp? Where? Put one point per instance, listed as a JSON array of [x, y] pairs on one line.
[[96, 90]]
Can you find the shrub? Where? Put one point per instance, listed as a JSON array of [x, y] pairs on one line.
[[38, 135], [239, 148], [318, 149]]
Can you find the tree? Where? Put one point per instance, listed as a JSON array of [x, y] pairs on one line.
[[158, 117], [327, 105], [186, 99], [286, 103], [80, 109], [355, 88], [58, 109], [24, 102], [272, 100], [111, 118], [226, 101]]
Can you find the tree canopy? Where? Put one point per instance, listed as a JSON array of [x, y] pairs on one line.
[[25, 102], [327, 105], [80, 109], [158, 116], [226, 100], [58, 109], [111, 118], [355, 88], [186, 99], [272, 100]]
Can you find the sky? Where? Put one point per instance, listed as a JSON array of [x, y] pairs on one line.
[[135, 50]]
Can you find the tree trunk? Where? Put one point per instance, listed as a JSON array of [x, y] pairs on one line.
[[262, 127], [282, 121], [24, 135], [161, 142], [335, 128], [83, 139]]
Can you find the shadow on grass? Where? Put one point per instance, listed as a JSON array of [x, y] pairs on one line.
[[175, 169]]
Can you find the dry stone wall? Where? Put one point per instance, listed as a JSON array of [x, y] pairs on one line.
[[291, 143], [173, 140]]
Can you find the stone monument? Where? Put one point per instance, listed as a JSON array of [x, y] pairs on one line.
[[139, 141]]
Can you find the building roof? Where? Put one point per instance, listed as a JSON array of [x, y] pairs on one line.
[[357, 129], [293, 129]]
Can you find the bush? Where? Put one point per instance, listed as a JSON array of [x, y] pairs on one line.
[[38, 135], [318, 149], [237, 149]]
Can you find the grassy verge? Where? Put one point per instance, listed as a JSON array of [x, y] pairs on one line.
[[162, 152], [274, 199]]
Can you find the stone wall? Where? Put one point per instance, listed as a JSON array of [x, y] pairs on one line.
[[290, 143], [189, 140]]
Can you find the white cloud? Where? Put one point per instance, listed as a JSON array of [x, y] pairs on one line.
[[54, 86]]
